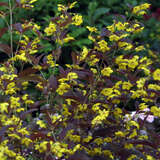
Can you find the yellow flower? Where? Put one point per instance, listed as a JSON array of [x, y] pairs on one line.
[[21, 57], [87, 139], [95, 107], [133, 134], [108, 153], [102, 46], [14, 136], [126, 46], [28, 101], [140, 10], [98, 141], [139, 48], [93, 60], [133, 63], [155, 110], [42, 147], [19, 157], [94, 70], [50, 60], [149, 157], [141, 82], [77, 147], [25, 96], [154, 87], [108, 139], [114, 37], [119, 134], [91, 38], [111, 28], [3, 69], [128, 146], [11, 88], [39, 85], [72, 75], [107, 91], [10, 153], [23, 131], [72, 5], [143, 106], [103, 114], [84, 53], [145, 5], [106, 71], [63, 88], [121, 26], [27, 3], [117, 112], [68, 38], [4, 107], [41, 124], [71, 137], [61, 7], [15, 102], [26, 141], [133, 123], [97, 150], [92, 29], [77, 20], [156, 74], [132, 157], [25, 84], [51, 29], [56, 117], [126, 85]]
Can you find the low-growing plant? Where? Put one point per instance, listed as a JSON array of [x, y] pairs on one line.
[[80, 110]]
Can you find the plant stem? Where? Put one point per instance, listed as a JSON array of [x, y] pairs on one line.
[[11, 27]]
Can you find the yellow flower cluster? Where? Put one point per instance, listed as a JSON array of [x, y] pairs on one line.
[[61, 7], [51, 29], [106, 71], [140, 10], [27, 3], [102, 46], [102, 115], [64, 87], [50, 61], [27, 47], [73, 137], [77, 20], [132, 63], [156, 74], [68, 39], [84, 54]]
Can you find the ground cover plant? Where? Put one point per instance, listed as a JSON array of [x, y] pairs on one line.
[[82, 109]]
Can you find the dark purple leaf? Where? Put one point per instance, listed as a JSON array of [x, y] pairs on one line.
[[53, 83], [24, 114], [79, 156], [5, 48], [74, 57], [27, 72]]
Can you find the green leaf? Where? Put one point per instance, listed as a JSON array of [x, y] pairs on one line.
[[91, 9], [77, 32], [99, 12], [82, 42]]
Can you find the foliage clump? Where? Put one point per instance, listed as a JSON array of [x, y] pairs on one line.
[[79, 110]]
